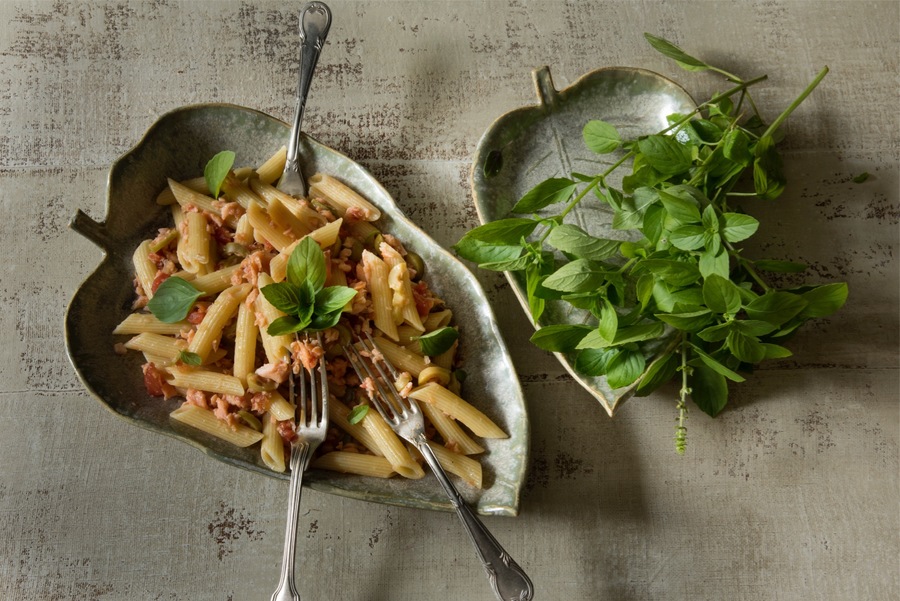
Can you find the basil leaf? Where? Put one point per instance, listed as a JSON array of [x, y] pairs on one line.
[[546, 193], [739, 226], [333, 298], [688, 322], [517, 264], [716, 333], [624, 335], [536, 304], [307, 263], [687, 237], [680, 207], [746, 348], [822, 301], [684, 60], [601, 137], [282, 296], [173, 300], [664, 154], [580, 275], [709, 390], [775, 307], [189, 358], [357, 414], [768, 172], [484, 252], [436, 342], [774, 351], [609, 321], [660, 371], [721, 295], [560, 338], [594, 362], [288, 324], [714, 263], [323, 321], [503, 232], [216, 170], [716, 366], [574, 240], [736, 146], [625, 368], [676, 273]]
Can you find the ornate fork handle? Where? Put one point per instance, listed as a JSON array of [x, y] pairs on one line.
[[300, 455], [509, 581]]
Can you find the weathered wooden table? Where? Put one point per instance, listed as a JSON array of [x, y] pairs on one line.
[[792, 493]]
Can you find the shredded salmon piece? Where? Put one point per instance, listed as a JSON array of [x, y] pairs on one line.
[[277, 372]]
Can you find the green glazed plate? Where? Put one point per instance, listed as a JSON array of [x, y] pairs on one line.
[[530, 144], [178, 145]]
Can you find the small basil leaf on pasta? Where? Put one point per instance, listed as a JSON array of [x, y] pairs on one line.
[[357, 414], [216, 170], [307, 263], [282, 296], [285, 325], [333, 298], [173, 300], [438, 341], [189, 358]]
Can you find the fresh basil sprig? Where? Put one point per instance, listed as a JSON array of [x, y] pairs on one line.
[[681, 274], [308, 304], [173, 300]]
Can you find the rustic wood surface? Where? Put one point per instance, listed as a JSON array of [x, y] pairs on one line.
[[791, 494]]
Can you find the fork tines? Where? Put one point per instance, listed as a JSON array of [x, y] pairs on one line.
[[309, 392], [388, 402]]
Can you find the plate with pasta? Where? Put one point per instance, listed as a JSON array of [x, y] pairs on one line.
[[180, 329]]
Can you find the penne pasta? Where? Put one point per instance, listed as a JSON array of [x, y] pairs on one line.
[[205, 420], [339, 413], [245, 336], [139, 323], [354, 463], [207, 381], [272, 169], [144, 268], [164, 347], [342, 197], [400, 357], [272, 448], [444, 400], [263, 228], [217, 315], [376, 273], [454, 436]]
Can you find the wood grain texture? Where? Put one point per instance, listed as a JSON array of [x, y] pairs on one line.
[[791, 494]]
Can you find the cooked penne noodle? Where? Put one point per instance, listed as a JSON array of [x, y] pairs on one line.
[[243, 231], [276, 346], [310, 218], [217, 315], [403, 300], [144, 268], [434, 373], [455, 407], [342, 197], [459, 465], [237, 191], [197, 243], [158, 345], [437, 319], [207, 381], [272, 169], [401, 358], [245, 335], [354, 463], [197, 184], [281, 408], [215, 281], [264, 229], [186, 197], [286, 220], [204, 419], [339, 415], [272, 448], [376, 274], [390, 446], [139, 323], [325, 237], [454, 436]]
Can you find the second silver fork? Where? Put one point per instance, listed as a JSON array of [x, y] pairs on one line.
[[312, 426], [508, 581]]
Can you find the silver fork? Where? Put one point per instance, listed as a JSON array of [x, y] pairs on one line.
[[315, 20], [312, 426], [508, 580]]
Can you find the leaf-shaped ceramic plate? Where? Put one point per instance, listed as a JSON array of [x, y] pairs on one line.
[[178, 146], [531, 144]]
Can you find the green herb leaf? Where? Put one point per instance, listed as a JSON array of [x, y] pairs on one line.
[[287, 324], [774, 351], [686, 61], [658, 373], [574, 240], [560, 338], [688, 237], [746, 348], [624, 368], [681, 206], [716, 366], [546, 193], [676, 273], [282, 296], [333, 298], [503, 232], [822, 301], [594, 362], [739, 226], [775, 307], [173, 300], [580, 275], [721, 295], [709, 390], [714, 263], [665, 154], [609, 321], [692, 321], [517, 264], [216, 170], [736, 147], [436, 342], [768, 171], [189, 358], [307, 263], [536, 303], [485, 253], [357, 414], [323, 321], [601, 137]]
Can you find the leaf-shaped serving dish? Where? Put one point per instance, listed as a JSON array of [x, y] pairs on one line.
[[530, 144], [178, 146]]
